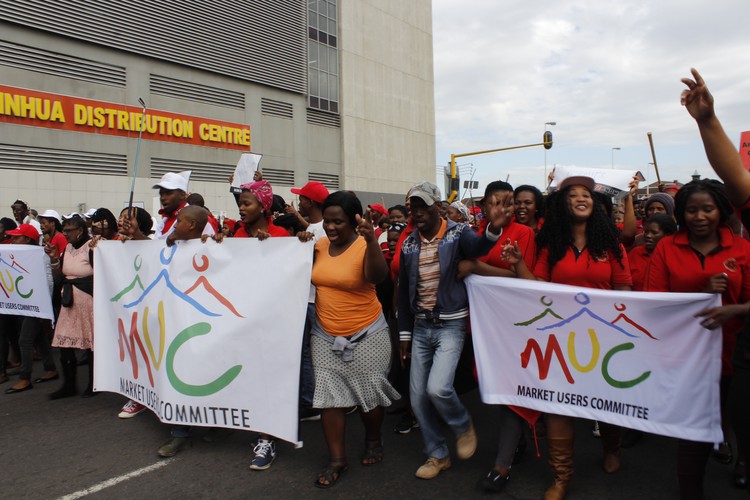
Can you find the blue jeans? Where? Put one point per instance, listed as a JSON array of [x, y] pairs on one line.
[[435, 351]]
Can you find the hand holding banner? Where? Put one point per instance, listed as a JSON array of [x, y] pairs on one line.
[[25, 281], [204, 334], [634, 359]]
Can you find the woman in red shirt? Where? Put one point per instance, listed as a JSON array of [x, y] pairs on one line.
[[511, 418], [255, 203], [529, 203], [6, 224], [704, 256], [577, 245], [656, 227], [255, 212], [51, 225]]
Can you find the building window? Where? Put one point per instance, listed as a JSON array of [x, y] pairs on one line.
[[322, 55]]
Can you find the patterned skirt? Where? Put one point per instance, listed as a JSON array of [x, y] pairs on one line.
[[75, 325], [361, 382]]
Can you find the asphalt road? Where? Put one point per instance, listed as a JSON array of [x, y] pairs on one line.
[[78, 447]]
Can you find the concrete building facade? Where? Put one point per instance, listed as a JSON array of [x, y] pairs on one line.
[[335, 91]]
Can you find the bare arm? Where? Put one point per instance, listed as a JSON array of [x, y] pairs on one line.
[[721, 153], [628, 224], [376, 268]]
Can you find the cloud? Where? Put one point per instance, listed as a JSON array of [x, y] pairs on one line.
[[606, 72]]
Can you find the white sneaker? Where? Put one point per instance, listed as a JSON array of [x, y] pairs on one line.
[[131, 409]]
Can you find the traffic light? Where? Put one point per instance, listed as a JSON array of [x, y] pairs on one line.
[[547, 139]]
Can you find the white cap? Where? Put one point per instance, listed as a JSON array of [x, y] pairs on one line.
[[71, 215], [172, 180], [90, 213], [51, 214]]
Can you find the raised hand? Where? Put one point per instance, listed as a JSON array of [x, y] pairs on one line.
[[696, 98], [499, 209], [364, 227]]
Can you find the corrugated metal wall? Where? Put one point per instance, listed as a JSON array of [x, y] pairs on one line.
[[261, 41]]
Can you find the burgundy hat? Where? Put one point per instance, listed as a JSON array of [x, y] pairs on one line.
[[378, 208], [314, 190], [25, 230], [577, 180]]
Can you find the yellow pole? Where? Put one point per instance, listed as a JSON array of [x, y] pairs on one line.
[[454, 190]]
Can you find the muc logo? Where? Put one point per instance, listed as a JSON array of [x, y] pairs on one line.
[[586, 319], [140, 300], [12, 274]]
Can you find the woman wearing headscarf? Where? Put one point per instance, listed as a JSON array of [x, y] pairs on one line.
[[75, 324], [255, 202], [351, 345], [659, 203], [256, 210], [578, 245], [457, 212]]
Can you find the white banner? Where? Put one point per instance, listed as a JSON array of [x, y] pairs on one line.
[[245, 171], [608, 181], [204, 334], [24, 287], [635, 359]]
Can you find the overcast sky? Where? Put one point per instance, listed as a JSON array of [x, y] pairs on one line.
[[606, 72]]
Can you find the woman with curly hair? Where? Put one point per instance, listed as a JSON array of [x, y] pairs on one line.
[[705, 256], [577, 245]]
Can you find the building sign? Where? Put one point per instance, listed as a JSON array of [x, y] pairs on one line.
[[43, 109]]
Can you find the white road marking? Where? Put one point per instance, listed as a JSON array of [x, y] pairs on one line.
[[116, 480]]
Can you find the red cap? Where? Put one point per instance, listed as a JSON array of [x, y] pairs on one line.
[[25, 230], [379, 208], [314, 190]]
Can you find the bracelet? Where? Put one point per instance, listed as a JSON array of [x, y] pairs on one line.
[[55, 264]]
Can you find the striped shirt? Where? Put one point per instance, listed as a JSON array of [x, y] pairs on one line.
[[428, 277]]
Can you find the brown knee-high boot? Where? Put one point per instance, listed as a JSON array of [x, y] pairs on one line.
[[561, 462], [611, 439]]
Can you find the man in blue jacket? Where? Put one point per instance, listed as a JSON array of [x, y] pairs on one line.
[[432, 309]]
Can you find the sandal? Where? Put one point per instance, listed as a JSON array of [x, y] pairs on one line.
[[332, 473], [373, 453], [724, 454]]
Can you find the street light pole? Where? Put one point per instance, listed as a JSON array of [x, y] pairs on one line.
[[613, 156], [551, 124]]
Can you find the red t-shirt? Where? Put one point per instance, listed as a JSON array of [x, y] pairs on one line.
[[59, 241], [583, 270], [676, 267], [170, 218], [638, 259], [274, 230], [214, 223], [512, 233]]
